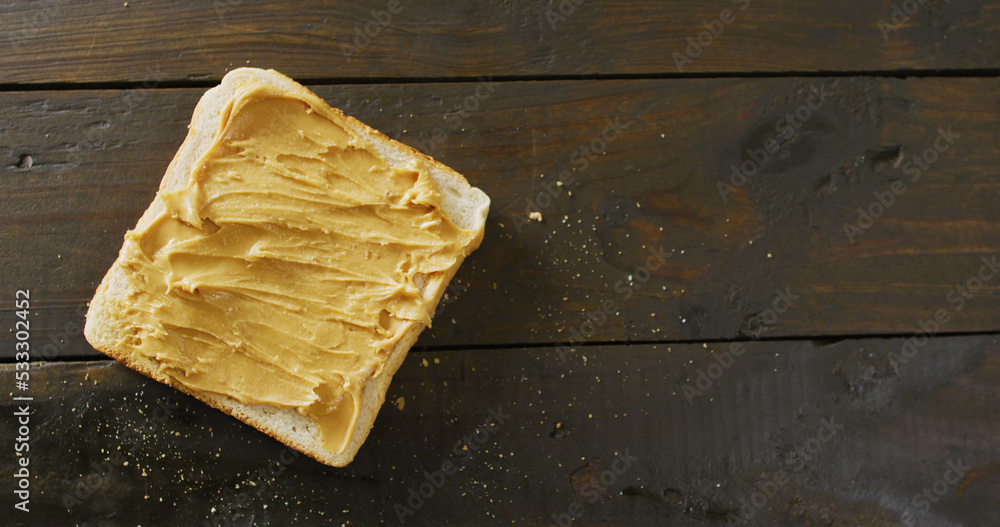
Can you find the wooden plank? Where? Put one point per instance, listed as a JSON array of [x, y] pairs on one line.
[[837, 434], [97, 157], [59, 41]]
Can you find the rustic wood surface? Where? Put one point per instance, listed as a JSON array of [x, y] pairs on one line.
[[59, 41], [97, 158], [674, 343], [841, 434]]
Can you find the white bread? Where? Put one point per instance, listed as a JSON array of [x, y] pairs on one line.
[[107, 323]]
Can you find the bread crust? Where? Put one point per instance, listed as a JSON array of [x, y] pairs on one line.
[[107, 322]]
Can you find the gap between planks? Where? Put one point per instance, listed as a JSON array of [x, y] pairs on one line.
[[336, 81], [820, 341]]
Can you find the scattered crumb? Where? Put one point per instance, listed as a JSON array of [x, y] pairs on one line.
[[424, 362], [400, 403], [537, 216]]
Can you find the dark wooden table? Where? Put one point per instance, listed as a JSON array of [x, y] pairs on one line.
[[761, 291]]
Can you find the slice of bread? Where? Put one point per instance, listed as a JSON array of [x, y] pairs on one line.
[[108, 324]]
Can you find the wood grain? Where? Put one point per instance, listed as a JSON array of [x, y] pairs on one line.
[[702, 325], [59, 41], [97, 157], [841, 434]]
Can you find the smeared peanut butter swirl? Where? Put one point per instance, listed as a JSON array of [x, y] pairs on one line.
[[290, 263]]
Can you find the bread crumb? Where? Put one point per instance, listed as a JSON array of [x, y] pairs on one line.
[[537, 216], [400, 403], [424, 362]]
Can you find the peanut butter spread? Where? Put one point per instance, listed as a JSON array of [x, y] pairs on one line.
[[289, 265]]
